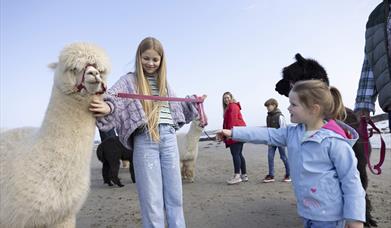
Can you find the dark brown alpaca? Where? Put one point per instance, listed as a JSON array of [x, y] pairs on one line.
[[307, 69]]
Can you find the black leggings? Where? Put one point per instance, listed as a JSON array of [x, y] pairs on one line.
[[237, 157]]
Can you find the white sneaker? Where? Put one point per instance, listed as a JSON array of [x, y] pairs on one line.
[[235, 180], [244, 177]]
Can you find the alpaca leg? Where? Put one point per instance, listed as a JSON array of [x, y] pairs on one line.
[[114, 170], [370, 221], [106, 173], [131, 166], [69, 222], [361, 166], [131, 171], [191, 170], [182, 169], [186, 171]]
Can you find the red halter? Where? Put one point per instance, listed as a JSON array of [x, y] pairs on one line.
[[79, 86]]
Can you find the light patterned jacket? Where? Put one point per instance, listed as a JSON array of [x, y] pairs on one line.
[[323, 168]]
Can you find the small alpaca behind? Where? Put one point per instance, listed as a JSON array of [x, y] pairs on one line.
[[188, 150], [45, 172], [110, 152]]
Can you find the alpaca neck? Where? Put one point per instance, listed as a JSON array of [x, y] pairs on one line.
[[194, 134], [68, 120]]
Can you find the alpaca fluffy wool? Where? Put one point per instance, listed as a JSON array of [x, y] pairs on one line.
[[188, 150], [45, 172]]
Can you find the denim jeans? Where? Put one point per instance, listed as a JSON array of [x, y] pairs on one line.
[[323, 224], [159, 184], [238, 159], [270, 158]]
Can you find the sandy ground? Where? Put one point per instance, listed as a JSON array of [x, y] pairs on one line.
[[210, 202]]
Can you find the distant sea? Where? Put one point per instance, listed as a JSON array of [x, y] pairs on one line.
[[375, 139]]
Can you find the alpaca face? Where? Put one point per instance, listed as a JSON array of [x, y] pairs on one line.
[[82, 68], [196, 125], [86, 81], [302, 69], [93, 81]]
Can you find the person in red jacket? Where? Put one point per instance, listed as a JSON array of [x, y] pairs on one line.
[[233, 117]]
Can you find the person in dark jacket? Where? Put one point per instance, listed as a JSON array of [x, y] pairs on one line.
[[375, 79], [275, 119], [233, 117]]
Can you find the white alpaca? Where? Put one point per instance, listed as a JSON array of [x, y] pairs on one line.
[[45, 172], [188, 150]]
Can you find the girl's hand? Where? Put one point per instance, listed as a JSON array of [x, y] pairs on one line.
[[223, 134], [99, 107], [354, 224]]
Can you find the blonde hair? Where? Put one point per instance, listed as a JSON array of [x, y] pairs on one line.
[[329, 99], [151, 108], [224, 104]]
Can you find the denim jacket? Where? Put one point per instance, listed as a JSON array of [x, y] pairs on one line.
[[323, 168], [128, 114]]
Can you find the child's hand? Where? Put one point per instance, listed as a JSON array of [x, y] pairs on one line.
[[99, 107], [223, 134], [354, 224]]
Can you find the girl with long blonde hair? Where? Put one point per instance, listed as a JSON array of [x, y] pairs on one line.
[[149, 128]]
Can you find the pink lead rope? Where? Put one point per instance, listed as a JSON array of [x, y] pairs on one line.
[[198, 100], [363, 130]]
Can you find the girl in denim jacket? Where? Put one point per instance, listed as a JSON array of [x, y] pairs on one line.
[[149, 128], [322, 163]]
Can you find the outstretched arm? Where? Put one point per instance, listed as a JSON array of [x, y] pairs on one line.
[[223, 134], [257, 135]]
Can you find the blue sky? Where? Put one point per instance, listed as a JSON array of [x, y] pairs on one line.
[[211, 46]]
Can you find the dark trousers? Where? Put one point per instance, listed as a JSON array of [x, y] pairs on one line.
[[238, 159]]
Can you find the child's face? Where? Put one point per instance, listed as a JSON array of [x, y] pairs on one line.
[[150, 60], [270, 107], [299, 113], [227, 99]]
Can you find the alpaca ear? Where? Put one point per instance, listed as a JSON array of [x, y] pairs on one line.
[[300, 58], [53, 65]]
